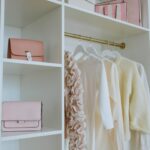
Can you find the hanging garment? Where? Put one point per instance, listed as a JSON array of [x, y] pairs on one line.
[[141, 140], [75, 121], [110, 139], [144, 143], [114, 138], [136, 112], [96, 98]]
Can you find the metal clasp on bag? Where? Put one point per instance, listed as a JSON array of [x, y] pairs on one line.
[[22, 121], [29, 55]]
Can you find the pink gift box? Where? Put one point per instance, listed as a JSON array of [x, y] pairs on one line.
[[134, 11], [127, 10], [99, 9], [121, 12], [110, 10], [115, 10]]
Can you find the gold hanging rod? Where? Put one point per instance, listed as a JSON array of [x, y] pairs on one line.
[[85, 38]]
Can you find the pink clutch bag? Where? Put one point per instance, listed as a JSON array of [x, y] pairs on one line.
[[25, 49], [21, 116]]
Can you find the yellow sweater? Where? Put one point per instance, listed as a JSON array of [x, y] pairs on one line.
[[135, 103]]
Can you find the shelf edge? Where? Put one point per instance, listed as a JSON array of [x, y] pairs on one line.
[[31, 135], [22, 62]]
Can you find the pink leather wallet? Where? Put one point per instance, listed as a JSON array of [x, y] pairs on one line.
[[21, 116]]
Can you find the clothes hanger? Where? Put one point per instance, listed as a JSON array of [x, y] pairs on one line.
[[109, 53], [117, 53], [85, 53], [93, 51], [80, 51]]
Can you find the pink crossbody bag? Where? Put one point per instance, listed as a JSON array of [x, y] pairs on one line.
[[24, 49], [21, 116]]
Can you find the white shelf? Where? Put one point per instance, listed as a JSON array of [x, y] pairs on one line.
[[13, 61], [22, 67], [116, 27], [29, 11], [58, 2], [11, 136]]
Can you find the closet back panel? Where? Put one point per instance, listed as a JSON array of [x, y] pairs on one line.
[[11, 87], [138, 49]]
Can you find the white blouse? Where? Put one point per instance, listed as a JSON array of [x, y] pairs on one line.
[[96, 99], [112, 139]]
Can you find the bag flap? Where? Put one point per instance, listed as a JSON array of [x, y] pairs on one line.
[[20, 47], [12, 111]]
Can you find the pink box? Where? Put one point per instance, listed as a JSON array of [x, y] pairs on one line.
[[134, 11], [110, 10], [127, 10], [115, 10], [121, 11], [99, 9], [21, 116]]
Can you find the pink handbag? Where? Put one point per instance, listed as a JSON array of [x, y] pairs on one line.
[[21, 116], [25, 49]]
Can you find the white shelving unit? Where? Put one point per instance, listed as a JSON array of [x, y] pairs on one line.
[[34, 81], [47, 21]]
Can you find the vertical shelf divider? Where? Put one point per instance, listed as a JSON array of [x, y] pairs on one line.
[[2, 10], [62, 71]]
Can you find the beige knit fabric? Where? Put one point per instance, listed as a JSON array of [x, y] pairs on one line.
[[75, 121]]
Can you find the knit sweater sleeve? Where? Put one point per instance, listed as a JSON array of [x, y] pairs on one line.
[[139, 105]]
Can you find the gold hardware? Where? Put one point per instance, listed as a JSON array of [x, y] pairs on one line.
[[85, 38]]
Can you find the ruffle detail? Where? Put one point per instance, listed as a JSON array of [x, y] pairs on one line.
[[75, 120]]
